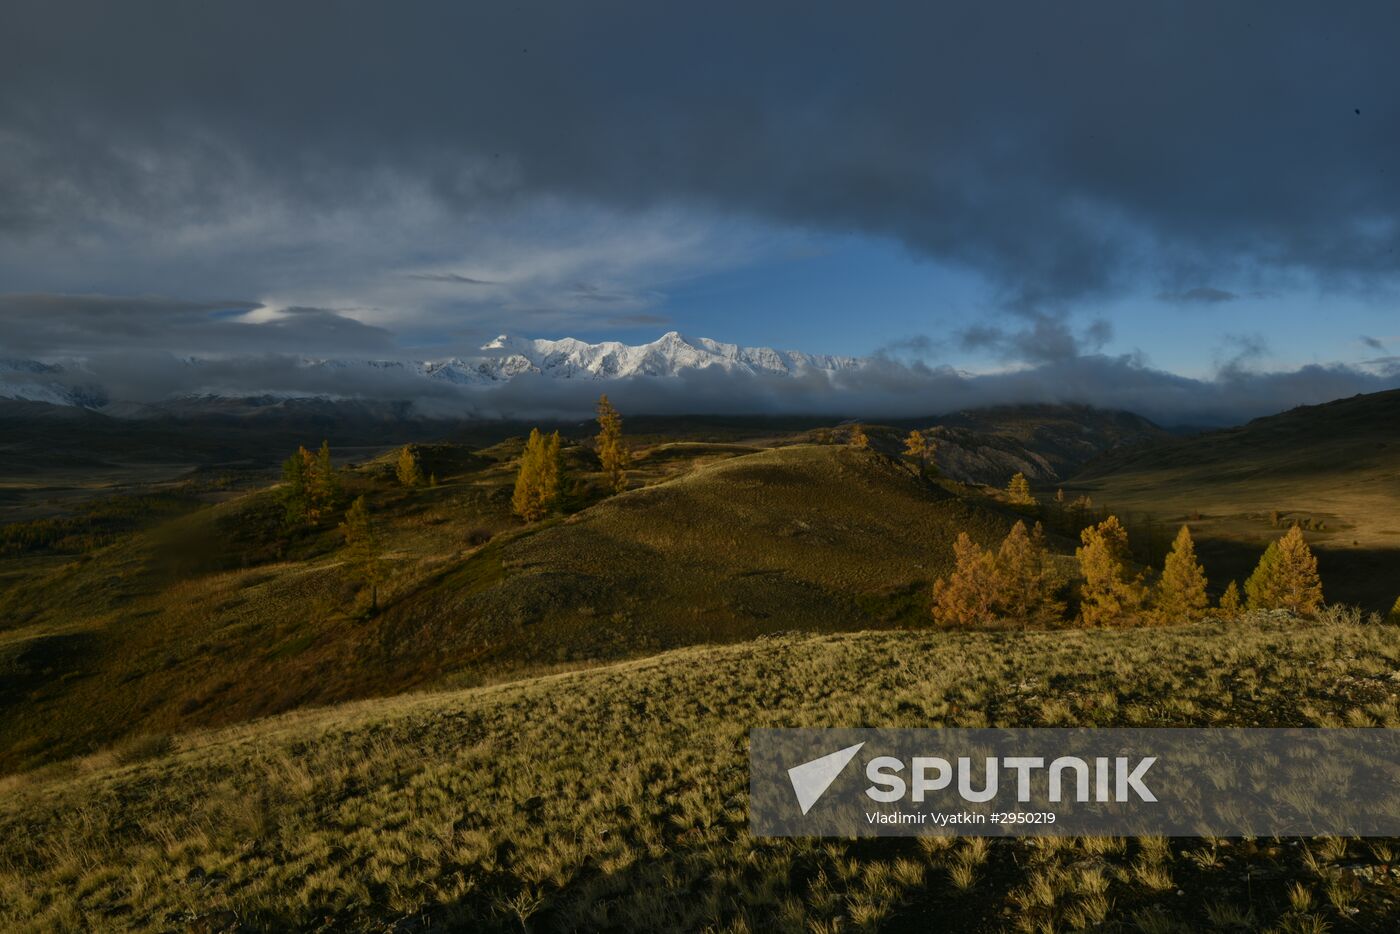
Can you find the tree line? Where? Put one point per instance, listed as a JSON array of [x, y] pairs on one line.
[[1018, 582]]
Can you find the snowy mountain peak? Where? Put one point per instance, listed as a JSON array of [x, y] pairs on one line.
[[500, 360], [669, 355]]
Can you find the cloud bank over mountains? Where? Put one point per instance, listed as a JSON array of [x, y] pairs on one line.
[[522, 378]]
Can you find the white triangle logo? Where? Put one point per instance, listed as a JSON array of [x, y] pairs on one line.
[[811, 779]]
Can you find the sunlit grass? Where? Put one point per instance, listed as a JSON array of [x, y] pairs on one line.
[[617, 798]]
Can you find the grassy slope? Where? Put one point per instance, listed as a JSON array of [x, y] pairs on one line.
[[1338, 463], [615, 799], [223, 621], [808, 536]]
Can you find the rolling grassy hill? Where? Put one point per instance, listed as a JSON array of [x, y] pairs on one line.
[[220, 616], [805, 536], [1337, 465], [258, 756], [616, 799]]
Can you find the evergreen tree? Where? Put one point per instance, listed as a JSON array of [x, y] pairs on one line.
[[858, 437], [1108, 594], [966, 597], [1025, 584], [295, 499], [1230, 600], [408, 469], [1019, 491], [362, 548], [1181, 593], [1286, 578], [613, 452], [539, 482], [322, 485]]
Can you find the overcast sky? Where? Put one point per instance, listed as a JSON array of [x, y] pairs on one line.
[[1197, 191]]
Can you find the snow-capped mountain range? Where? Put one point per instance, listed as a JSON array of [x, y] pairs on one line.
[[504, 359], [508, 357]]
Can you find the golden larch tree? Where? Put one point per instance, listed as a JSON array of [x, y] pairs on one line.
[[613, 452], [1025, 583], [966, 596], [408, 468], [1109, 594], [1181, 592], [1286, 578], [916, 448], [1261, 587], [1018, 491], [1230, 600], [539, 482]]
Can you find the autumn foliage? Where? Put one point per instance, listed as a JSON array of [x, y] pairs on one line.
[[920, 448], [1025, 577], [1018, 491], [1110, 593], [310, 487], [613, 452], [1181, 591], [408, 469], [966, 597], [1230, 603], [1286, 578], [1015, 584], [539, 483]]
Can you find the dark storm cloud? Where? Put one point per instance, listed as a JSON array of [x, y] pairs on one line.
[[1238, 352], [449, 277], [1201, 295], [641, 319], [1061, 149], [46, 325], [1044, 339]]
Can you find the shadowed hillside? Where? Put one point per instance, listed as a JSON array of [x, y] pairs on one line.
[[1045, 442], [1334, 468], [223, 614], [801, 537]]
